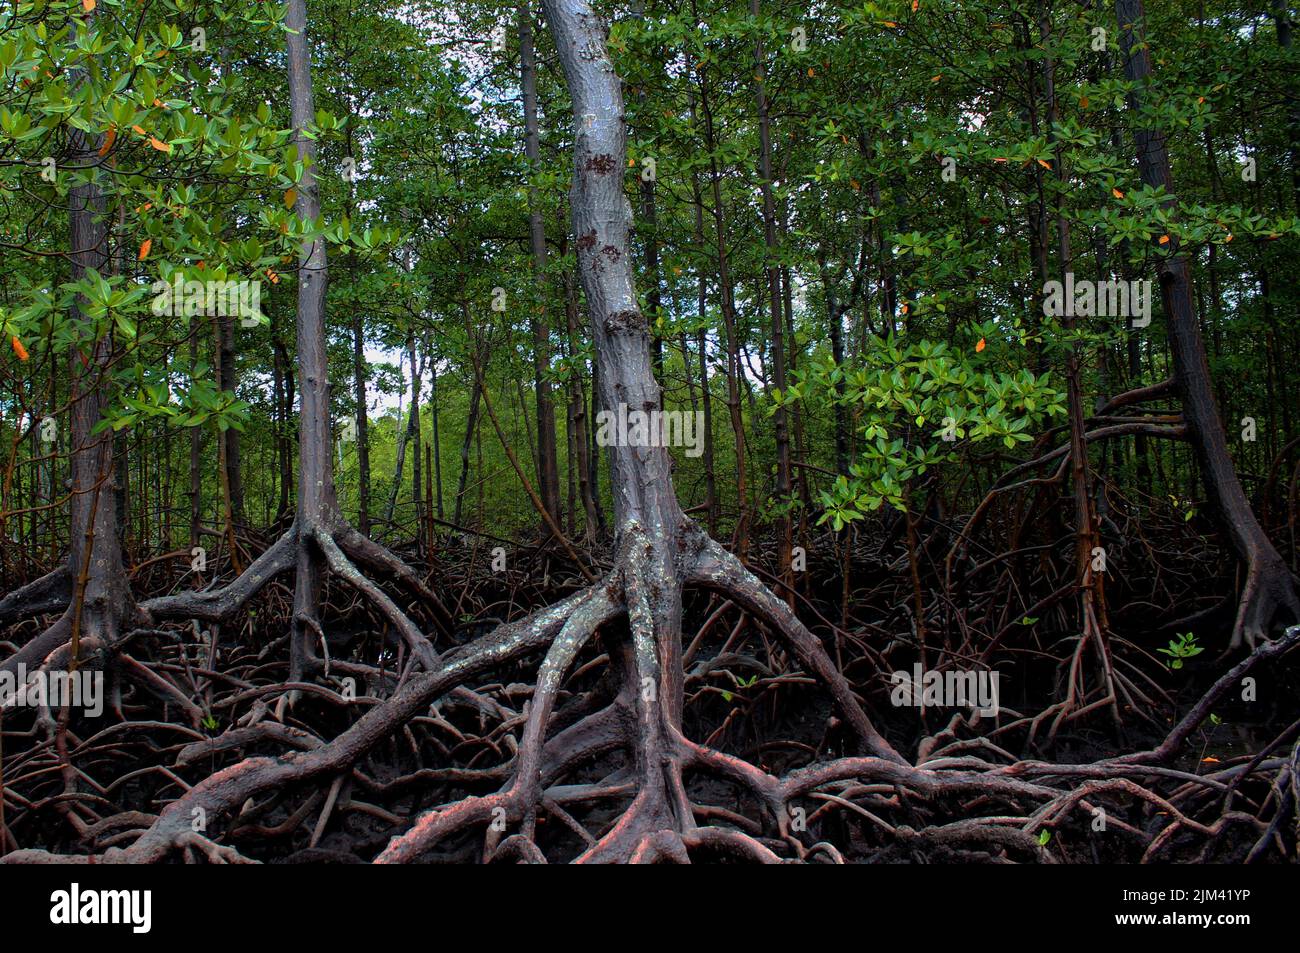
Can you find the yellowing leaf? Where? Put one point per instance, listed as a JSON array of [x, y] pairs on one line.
[[1117, 193], [980, 345], [109, 138], [889, 23], [144, 248], [88, 5], [290, 196], [811, 71], [159, 144]]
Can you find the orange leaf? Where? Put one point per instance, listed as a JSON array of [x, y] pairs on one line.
[[889, 23], [980, 345], [936, 77], [19, 349], [916, 5], [109, 138], [1229, 238], [1044, 163], [811, 71], [1209, 761], [138, 129], [144, 248], [88, 5], [1164, 239], [290, 196], [159, 144], [1117, 193]]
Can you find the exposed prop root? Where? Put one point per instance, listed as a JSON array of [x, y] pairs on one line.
[[1268, 596], [904, 807]]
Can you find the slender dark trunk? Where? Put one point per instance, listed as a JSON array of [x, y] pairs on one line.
[[777, 325], [404, 437], [702, 341], [435, 470], [283, 428], [362, 422], [735, 371], [229, 381], [1270, 587], [196, 448], [548, 471], [471, 427], [578, 410]]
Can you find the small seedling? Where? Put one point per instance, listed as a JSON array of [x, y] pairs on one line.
[[1183, 647], [741, 683]]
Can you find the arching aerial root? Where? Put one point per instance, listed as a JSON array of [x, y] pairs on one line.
[[926, 805], [339, 544]]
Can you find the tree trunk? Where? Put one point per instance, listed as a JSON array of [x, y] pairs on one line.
[[316, 498], [471, 427], [363, 423], [1270, 587], [548, 471], [228, 380], [772, 272], [735, 371]]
